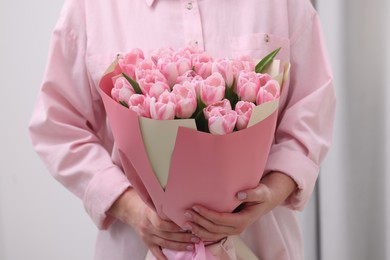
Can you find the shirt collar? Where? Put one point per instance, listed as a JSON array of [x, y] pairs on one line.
[[149, 2]]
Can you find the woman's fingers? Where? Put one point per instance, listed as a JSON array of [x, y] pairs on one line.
[[205, 234], [156, 251], [163, 225], [214, 222], [257, 195], [173, 245], [225, 220], [154, 231], [168, 230], [178, 237], [212, 226]]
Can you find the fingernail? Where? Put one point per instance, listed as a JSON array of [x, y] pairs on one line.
[[195, 239], [188, 215], [190, 248], [187, 227], [196, 209], [241, 195]]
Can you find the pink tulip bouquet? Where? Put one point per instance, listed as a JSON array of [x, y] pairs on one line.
[[193, 129], [219, 94]]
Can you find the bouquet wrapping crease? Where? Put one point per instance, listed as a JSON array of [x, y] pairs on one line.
[[173, 166]]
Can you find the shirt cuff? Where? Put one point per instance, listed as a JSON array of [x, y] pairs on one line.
[[300, 168], [102, 191]]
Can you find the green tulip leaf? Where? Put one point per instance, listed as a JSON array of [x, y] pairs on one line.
[[123, 103], [262, 66], [134, 84]]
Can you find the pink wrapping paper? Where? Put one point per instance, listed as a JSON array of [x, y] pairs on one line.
[[205, 169]]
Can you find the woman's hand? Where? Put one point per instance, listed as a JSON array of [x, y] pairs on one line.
[[212, 226], [155, 232]]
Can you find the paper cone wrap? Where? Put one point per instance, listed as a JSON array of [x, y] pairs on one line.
[[200, 168]]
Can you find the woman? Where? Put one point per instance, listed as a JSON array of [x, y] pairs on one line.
[[70, 132]]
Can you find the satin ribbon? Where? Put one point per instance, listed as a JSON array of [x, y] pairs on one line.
[[230, 248]]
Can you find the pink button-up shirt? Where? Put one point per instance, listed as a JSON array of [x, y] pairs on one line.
[[69, 127]]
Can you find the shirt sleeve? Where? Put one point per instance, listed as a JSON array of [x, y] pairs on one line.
[[305, 125], [68, 125]]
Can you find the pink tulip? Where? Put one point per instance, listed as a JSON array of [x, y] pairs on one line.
[[222, 123], [185, 100], [146, 64], [248, 84], [169, 69], [184, 53], [172, 65], [269, 92], [186, 76], [152, 83], [263, 79], [197, 82], [129, 62], [167, 97], [213, 89], [140, 104], [144, 68], [216, 108], [164, 108], [183, 66], [187, 50], [122, 90], [244, 111], [202, 64], [243, 63], [183, 60], [161, 53], [224, 67], [158, 88]]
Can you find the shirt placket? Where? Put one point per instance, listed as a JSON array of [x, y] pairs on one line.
[[193, 34]]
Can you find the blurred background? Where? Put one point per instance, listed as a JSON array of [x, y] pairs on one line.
[[348, 217]]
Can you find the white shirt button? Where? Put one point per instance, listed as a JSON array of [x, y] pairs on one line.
[[189, 5]]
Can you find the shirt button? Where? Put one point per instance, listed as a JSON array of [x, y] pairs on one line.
[[189, 6], [266, 38]]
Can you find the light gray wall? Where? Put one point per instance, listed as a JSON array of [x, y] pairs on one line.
[[354, 191], [387, 140], [39, 219], [365, 29]]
